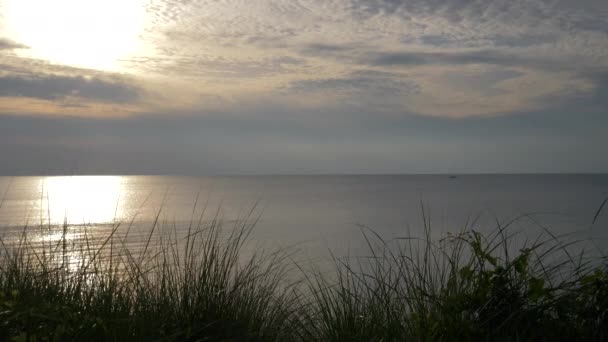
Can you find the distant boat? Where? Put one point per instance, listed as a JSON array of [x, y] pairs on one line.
[[452, 177]]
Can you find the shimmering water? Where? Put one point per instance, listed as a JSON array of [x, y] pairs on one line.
[[316, 213]]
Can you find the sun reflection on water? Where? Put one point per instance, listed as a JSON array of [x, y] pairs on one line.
[[82, 199]]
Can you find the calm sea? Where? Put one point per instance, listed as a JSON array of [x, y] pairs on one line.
[[312, 213]]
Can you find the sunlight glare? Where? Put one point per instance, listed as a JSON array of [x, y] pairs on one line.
[[83, 199], [92, 34]]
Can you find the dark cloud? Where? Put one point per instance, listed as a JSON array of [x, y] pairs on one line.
[[579, 15], [325, 49], [367, 56], [377, 6], [7, 44], [492, 57], [528, 40], [590, 15], [371, 83], [55, 87], [450, 9], [342, 52], [588, 24]]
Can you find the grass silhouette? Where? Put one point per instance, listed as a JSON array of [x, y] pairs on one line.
[[200, 287]]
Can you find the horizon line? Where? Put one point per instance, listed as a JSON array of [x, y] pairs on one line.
[[127, 174]]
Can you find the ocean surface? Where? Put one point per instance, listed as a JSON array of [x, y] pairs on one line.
[[313, 214]]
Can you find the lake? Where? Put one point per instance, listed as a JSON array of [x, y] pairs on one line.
[[313, 214]]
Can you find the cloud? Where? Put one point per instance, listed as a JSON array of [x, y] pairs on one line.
[[319, 49], [467, 57], [369, 83], [7, 44], [218, 67], [490, 57], [497, 41], [487, 82], [55, 87], [579, 15]]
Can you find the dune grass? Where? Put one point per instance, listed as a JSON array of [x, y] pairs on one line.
[[466, 286], [195, 288]]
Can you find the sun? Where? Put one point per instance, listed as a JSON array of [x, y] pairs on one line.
[[93, 34]]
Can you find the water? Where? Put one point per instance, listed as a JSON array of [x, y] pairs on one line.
[[310, 213]]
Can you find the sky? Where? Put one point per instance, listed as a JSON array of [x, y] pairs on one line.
[[207, 87]]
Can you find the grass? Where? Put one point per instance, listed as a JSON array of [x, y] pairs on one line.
[[466, 286]]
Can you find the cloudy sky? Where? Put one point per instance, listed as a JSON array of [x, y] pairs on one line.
[[303, 86]]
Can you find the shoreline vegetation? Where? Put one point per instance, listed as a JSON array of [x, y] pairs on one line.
[[467, 286]]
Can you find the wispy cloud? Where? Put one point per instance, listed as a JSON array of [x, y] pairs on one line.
[[34, 86], [53, 87], [492, 57], [437, 53], [284, 46], [369, 90]]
